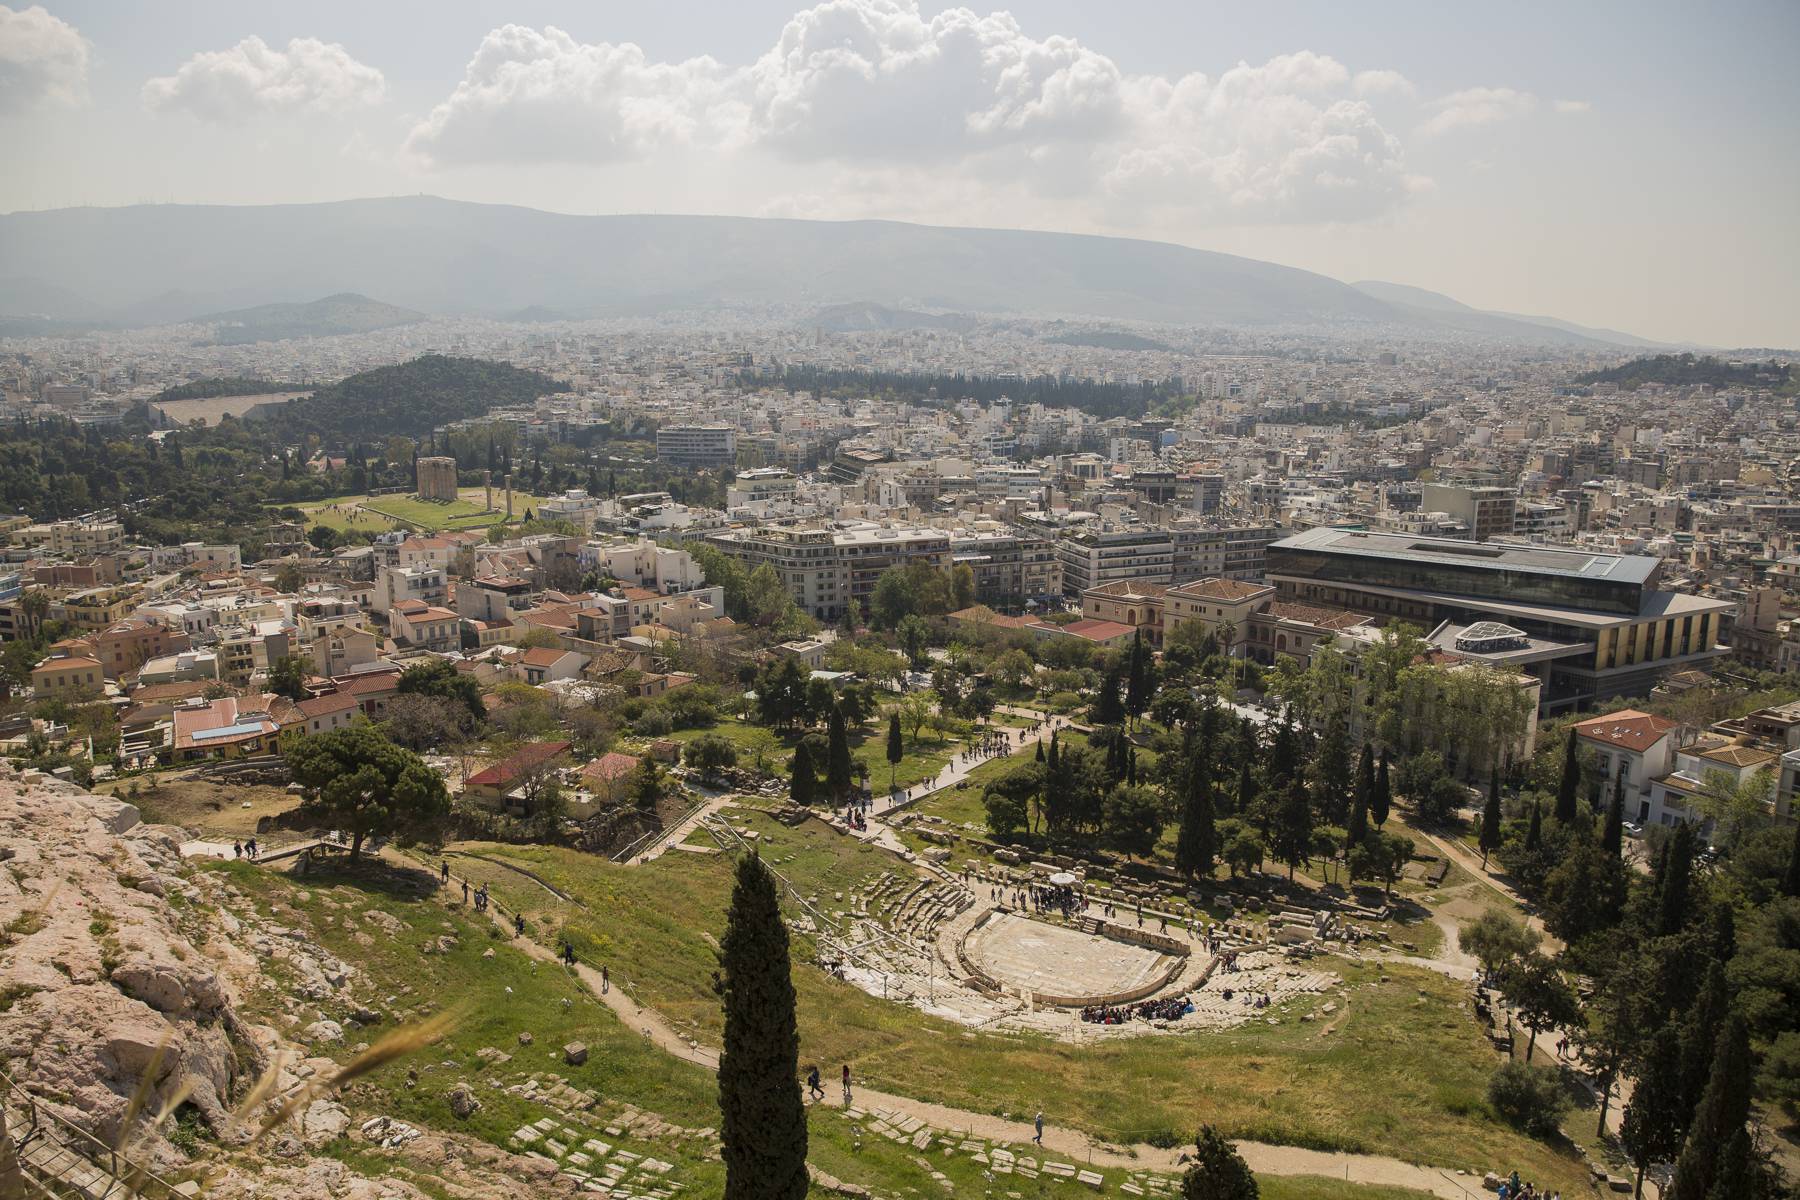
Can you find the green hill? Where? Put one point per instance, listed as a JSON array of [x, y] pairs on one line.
[[1687, 370], [408, 400], [211, 388], [343, 313]]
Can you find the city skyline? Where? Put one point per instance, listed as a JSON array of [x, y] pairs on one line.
[[1520, 166]]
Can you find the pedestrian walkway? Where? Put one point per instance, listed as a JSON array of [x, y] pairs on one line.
[[963, 764]]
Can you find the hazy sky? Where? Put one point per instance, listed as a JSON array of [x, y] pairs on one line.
[[1632, 164]]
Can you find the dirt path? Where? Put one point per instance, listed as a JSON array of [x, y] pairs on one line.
[[1372, 1169]]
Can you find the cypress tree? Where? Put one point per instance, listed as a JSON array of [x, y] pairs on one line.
[[1137, 683], [838, 767], [1357, 831], [1040, 750], [1490, 819], [802, 783], [896, 747], [1246, 790], [763, 1119], [1672, 897], [1293, 827], [1131, 775], [1384, 792], [1364, 793], [1736, 1174], [1568, 788], [1724, 1107], [1197, 845], [1109, 709], [1790, 882], [1651, 1127], [1612, 836], [1700, 1037], [1534, 833]]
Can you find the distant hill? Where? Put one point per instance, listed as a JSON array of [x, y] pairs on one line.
[[408, 400], [866, 317], [1108, 339], [207, 389], [444, 256], [343, 313], [1437, 308], [1687, 370]]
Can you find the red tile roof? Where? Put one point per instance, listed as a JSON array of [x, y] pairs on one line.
[[1627, 728], [508, 770]]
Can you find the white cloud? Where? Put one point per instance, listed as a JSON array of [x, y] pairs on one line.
[[252, 76], [873, 96], [1383, 83], [43, 59], [528, 96], [1477, 106], [872, 79], [1572, 106]]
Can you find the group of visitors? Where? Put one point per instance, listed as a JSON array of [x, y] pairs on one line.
[[989, 745], [481, 896], [815, 1087], [245, 849], [1171, 1008], [853, 817], [1253, 999], [1512, 1189]]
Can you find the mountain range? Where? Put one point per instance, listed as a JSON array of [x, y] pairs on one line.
[[115, 266]]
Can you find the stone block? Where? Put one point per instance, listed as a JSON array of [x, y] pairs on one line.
[[575, 1053]]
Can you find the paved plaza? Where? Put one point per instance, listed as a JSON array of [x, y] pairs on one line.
[[1021, 953]]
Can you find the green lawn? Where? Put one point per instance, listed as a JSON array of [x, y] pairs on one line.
[[1406, 1041], [923, 759], [380, 513]]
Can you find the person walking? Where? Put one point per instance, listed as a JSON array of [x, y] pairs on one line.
[[813, 1087], [237, 849], [444, 871], [846, 1085], [465, 891], [1038, 1137], [605, 980]]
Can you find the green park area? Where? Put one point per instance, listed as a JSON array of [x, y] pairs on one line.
[[1401, 1069], [398, 510]]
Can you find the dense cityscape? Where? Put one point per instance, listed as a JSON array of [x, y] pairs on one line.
[[502, 701]]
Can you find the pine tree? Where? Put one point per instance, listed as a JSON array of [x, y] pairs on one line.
[[1534, 832], [839, 769], [1568, 788], [1197, 845], [1490, 819], [763, 1118], [1384, 793], [803, 782], [1612, 836], [1724, 1107], [896, 748]]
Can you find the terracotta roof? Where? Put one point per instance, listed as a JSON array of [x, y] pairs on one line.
[[319, 706], [1123, 588], [1322, 618], [66, 662], [1220, 589], [370, 685], [528, 757], [1628, 728], [1092, 630], [638, 593], [543, 656], [609, 766]]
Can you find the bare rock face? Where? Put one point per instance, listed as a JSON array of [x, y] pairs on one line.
[[105, 986]]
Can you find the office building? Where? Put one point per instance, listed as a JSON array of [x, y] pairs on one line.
[[697, 445]]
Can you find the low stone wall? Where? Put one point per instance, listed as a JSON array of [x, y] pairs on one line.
[[1130, 996]]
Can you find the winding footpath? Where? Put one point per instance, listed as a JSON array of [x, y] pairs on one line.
[[1375, 1170]]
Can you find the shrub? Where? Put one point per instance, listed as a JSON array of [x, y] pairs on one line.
[[655, 722], [1531, 1099]]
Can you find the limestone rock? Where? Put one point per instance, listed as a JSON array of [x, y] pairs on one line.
[[323, 1031], [462, 1100], [323, 1121]]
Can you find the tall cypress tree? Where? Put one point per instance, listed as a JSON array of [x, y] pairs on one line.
[[1700, 1038], [1293, 827], [838, 767], [1109, 709], [1534, 832], [1651, 1127], [1490, 819], [896, 747], [1672, 898], [1612, 836], [1137, 683], [1568, 788], [1724, 1107], [1364, 793], [804, 780], [1197, 845], [763, 1119], [1245, 796], [1384, 792]]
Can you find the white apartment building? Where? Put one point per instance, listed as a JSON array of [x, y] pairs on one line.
[[824, 568], [697, 445], [423, 583]]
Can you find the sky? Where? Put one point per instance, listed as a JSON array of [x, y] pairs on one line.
[[1630, 165]]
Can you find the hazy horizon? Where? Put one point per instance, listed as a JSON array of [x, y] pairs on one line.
[[1618, 165]]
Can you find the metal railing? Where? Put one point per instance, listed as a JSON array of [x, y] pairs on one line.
[[44, 1128]]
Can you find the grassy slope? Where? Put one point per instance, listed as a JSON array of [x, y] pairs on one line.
[[1408, 1043]]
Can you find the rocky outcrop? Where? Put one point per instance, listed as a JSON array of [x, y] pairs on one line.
[[98, 986]]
